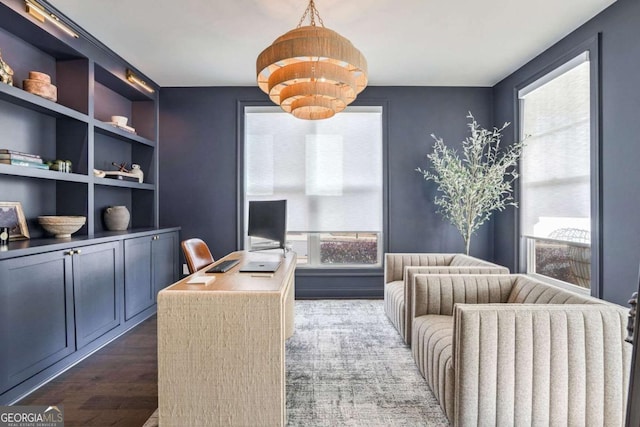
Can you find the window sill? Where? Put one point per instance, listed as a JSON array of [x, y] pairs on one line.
[[340, 271]]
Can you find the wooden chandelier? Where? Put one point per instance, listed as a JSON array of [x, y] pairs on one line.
[[312, 72]]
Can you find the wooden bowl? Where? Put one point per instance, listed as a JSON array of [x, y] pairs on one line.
[[62, 226], [41, 88]]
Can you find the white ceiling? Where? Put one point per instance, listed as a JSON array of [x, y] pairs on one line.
[[406, 42]]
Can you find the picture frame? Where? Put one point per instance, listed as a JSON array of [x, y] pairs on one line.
[[20, 231]]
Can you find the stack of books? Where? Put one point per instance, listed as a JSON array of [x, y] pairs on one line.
[[17, 158]]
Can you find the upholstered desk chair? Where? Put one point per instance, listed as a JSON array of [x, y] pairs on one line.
[[197, 254]]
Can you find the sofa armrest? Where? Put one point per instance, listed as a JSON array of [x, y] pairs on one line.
[[395, 263], [521, 364], [438, 293]]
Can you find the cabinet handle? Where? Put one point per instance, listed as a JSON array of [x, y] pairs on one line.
[[78, 251], [71, 252]]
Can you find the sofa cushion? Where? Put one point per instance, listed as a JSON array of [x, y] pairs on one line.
[[394, 305], [432, 348], [529, 291]]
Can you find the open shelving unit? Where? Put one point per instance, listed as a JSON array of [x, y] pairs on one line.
[[92, 87], [66, 298]]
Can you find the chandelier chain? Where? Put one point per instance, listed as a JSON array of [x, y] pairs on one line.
[[312, 13]]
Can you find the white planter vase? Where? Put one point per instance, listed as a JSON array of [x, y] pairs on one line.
[[116, 218]]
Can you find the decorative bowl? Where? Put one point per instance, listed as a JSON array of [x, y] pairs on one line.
[[41, 88], [62, 226], [119, 120]]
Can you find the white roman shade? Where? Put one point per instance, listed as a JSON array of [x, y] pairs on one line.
[[330, 171], [555, 167]]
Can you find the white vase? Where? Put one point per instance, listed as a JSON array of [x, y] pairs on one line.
[[136, 171], [116, 218]]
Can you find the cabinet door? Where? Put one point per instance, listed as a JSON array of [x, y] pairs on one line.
[[138, 292], [36, 315], [97, 284], [164, 260]]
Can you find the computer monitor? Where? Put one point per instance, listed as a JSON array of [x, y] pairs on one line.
[[268, 220]]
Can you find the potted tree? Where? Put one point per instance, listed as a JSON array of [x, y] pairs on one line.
[[472, 187]]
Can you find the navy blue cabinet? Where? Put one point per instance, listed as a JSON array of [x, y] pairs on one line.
[[164, 254], [138, 295], [58, 306], [97, 289], [54, 304], [150, 265], [36, 315]]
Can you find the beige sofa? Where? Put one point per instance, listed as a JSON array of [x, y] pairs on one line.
[[510, 350], [398, 275]]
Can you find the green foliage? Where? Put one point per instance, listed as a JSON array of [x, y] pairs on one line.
[[472, 187]]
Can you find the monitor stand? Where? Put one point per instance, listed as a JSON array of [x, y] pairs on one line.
[[268, 248]]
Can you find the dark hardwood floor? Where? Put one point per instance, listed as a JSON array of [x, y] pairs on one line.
[[116, 386]]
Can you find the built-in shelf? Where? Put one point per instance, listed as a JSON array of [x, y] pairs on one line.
[[110, 130], [36, 103], [92, 87], [30, 172], [116, 81], [110, 182]]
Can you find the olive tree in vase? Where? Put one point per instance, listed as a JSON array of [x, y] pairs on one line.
[[472, 187]]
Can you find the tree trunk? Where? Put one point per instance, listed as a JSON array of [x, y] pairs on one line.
[[467, 242]]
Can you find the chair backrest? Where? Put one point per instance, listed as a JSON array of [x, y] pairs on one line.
[[197, 254]]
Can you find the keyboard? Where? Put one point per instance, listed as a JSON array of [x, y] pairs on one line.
[[223, 266]]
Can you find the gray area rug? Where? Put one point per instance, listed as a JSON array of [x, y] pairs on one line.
[[348, 366]]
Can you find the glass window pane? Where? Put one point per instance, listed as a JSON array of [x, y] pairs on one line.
[[329, 171], [566, 261], [348, 248]]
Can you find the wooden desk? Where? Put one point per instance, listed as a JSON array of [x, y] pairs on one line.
[[221, 347]]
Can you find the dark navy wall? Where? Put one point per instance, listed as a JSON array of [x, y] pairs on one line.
[[620, 144], [198, 160]]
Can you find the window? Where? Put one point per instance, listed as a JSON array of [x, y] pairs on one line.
[[330, 173], [556, 173]]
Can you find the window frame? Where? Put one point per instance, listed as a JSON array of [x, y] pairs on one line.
[[383, 241], [592, 47]]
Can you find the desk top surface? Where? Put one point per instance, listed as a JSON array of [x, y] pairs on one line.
[[233, 280]]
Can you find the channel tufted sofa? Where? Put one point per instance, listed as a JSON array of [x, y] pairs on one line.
[[399, 269], [510, 350]]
